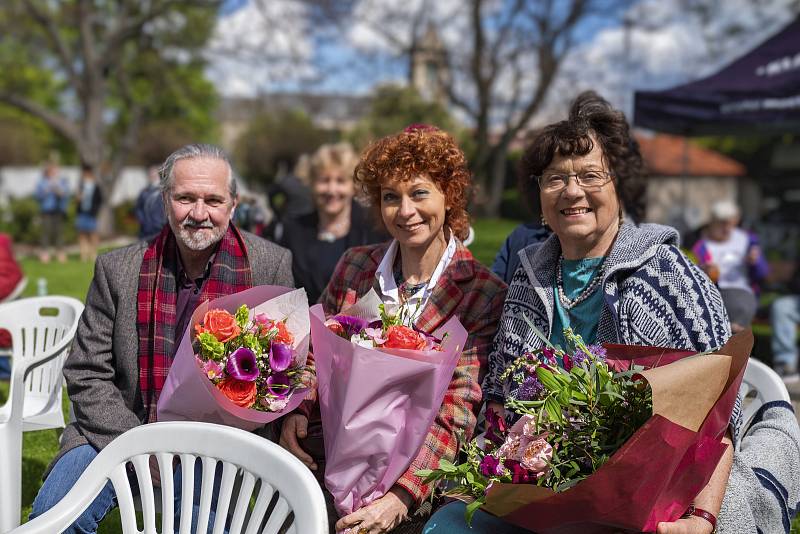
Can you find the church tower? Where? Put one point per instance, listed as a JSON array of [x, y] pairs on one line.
[[429, 72]]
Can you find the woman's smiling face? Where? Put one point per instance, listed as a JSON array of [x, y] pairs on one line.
[[413, 210], [585, 220]]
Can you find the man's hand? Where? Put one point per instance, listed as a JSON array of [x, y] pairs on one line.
[[378, 517], [689, 525], [295, 426]]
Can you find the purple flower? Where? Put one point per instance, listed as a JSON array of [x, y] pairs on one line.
[[519, 475], [567, 362], [530, 389], [278, 385], [491, 467], [495, 427], [599, 351], [352, 325], [280, 357], [242, 365]]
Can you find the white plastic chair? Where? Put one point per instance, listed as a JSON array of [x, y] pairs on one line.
[[41, 329], [245, 458], [17, 291], [760, 386]]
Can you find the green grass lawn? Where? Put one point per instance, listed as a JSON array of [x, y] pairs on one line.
[[73, 278]]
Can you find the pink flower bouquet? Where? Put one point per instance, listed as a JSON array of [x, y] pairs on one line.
[[380, 389], [241, 362]]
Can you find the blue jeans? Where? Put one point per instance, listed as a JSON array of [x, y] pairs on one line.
[[449, 519], [785, 316], [75, 461]]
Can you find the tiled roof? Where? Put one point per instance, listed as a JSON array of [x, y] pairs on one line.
[[669, 155]]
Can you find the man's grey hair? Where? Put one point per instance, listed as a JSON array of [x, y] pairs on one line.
[[196, 150]]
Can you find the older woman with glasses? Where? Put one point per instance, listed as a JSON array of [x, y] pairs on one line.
[[604, 276]]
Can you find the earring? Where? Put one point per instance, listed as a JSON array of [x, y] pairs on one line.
[[544, 222]]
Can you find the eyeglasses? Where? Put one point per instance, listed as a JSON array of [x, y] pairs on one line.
[[552, 182]]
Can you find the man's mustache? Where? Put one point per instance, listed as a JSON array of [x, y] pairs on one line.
[[191, 223]]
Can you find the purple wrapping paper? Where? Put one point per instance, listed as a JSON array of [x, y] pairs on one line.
[[188, 395], [377, 407]]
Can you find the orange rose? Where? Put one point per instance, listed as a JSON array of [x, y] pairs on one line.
[[219, 323], [402, 337], [284, 336], [240, 392]]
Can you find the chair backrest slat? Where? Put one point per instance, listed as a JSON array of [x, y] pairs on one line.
[[167, 491], [242, 502], [277, 517], [265, 493], [187, 488], [225, 493], [122, 488], [141, 465], [206, 493]]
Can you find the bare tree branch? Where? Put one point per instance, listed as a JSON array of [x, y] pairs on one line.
[[62, 50], [61, 124]]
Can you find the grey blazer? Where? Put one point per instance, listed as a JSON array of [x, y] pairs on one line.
[[102, 369]]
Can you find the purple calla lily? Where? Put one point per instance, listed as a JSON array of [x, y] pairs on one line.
[[280, 357], [278, 385], [242, 365], [352, 325]]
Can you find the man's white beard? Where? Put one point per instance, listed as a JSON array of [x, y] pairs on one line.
[[199, 240]]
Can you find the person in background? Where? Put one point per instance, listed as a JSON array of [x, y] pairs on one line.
[[52, 193], [150, 207], [318, 239], [11, 282], [89, 198], [289, 197], [785, 317], [732, 258], [507, 259]]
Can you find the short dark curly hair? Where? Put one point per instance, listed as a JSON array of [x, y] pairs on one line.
[[418, 151], [591, 116]]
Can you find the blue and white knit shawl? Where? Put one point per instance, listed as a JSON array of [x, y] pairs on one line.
[[654, 295]]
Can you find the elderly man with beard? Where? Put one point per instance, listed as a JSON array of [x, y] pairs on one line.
[[139, 304]]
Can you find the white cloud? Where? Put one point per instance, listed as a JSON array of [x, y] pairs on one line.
[[264, 45]]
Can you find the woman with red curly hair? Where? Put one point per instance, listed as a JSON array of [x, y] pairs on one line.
[[417, 182]]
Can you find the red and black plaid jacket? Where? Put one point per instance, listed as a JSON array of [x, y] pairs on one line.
[[467, 290]]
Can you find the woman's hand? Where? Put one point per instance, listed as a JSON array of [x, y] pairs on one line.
[[689, 525], [295, 426], [378, 517]]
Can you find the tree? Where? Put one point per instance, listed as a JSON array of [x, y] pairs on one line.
[[106, 62], [273, 142], [502, 55], [393, 108]]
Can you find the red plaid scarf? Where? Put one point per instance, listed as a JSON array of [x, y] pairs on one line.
[[157, 298]]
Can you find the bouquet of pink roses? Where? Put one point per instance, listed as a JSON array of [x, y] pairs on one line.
[[241, 361]]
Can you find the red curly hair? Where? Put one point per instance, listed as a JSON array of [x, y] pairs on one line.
[[418, 151]]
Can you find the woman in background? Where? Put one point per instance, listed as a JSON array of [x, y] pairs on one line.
[[89, 198], [318, 239]]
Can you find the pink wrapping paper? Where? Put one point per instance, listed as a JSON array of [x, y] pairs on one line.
[[188, 395], [377, 407], [652, 478]]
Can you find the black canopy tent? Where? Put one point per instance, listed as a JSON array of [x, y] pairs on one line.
[[757, 93]]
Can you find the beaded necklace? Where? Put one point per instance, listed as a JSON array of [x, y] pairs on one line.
[[597, 279]]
